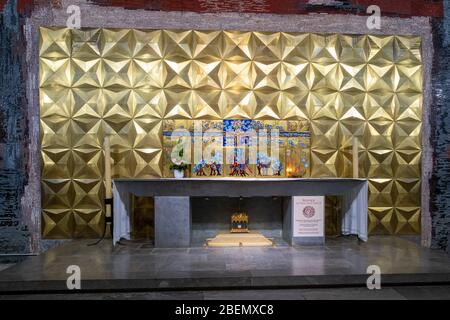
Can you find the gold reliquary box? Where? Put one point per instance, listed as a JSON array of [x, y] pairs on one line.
[[239, 222]]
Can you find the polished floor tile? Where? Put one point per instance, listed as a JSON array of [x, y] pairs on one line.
[[389, 293], [134, 260]]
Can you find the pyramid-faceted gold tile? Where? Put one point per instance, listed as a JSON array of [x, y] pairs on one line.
[[124, 83]]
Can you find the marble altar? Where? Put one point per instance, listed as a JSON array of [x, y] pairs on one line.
[[173, 210]]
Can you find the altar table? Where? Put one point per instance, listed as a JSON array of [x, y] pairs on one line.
[[173, 212]]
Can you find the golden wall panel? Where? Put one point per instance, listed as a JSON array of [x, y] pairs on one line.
[[125, 82]]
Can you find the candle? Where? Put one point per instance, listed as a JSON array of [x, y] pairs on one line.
[[355, 158], [108, 182]]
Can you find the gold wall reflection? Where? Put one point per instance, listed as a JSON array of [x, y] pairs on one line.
[[125, 82]]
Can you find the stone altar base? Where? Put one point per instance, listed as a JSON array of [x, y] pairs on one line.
[[251, 239], [173, 203]]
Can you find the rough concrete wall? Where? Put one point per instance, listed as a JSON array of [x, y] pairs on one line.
[[20, 213], [15, 227], [388, 7], [441, 134], [31, 201]]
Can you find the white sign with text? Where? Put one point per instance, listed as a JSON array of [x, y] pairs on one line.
[[308, 214]]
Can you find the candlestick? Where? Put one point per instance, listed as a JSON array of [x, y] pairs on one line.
[[108, 181], [355, 159]]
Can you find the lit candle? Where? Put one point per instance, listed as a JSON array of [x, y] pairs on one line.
[[108, 181], [291, 171], [355, 158]]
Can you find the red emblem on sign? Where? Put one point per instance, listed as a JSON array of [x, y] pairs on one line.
[[309, 212]]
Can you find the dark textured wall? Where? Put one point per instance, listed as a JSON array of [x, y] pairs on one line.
[[14, 231], [440, 182], [405, 8]]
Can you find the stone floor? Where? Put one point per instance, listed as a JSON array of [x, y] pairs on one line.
[[4, 266], [389, 293], [342, 261]]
